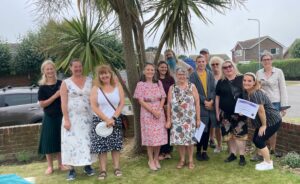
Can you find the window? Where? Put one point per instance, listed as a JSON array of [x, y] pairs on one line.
[[17, 99], [238, 53], [275, 51]]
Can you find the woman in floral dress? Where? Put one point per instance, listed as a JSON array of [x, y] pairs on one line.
[[183, 116], [151, 96], [77, 120]]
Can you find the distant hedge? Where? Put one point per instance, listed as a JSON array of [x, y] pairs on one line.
[[290, 68]]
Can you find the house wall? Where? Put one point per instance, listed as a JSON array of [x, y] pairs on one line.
[[266, 45], [235, 58]]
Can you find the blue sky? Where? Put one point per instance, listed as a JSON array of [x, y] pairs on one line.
[[279, 19]]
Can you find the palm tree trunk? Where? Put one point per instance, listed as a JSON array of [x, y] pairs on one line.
[[157, 55], [131, 65]]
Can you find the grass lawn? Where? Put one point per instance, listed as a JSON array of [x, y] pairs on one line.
[[290, 83], [291, 120], [135, 170]]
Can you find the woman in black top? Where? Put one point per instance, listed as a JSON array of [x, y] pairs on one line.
[[266, 122], [163, 74], [234, 127], [49, 100]]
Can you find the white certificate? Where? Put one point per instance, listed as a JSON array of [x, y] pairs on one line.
[[246, 108], [199, 131]]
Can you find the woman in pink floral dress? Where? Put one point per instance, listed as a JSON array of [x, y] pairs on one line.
[[151, 96]]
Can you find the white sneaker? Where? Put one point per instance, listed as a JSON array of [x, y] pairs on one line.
[[217, 150], [264, 166]]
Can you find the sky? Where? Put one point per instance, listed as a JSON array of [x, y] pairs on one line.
[[279, 19]]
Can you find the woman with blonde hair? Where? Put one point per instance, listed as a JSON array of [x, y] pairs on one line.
[[234, 127], [267, 121], [49, 100], [215, 131], [107, 101]]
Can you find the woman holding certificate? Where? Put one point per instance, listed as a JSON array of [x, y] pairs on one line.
[[183, 115], [234, 127], [267, 120]]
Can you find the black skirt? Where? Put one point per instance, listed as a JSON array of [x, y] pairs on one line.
[[113, 142], [50, 139]]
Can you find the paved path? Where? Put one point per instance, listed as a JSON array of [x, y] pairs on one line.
[[294, 101]]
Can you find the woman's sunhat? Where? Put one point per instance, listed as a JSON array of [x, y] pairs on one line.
[[102, 130]]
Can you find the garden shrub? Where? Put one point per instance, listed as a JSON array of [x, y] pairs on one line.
[[290, 68], [24, 156], [292, 159]]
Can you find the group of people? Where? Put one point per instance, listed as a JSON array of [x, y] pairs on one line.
[[72, 110], [175, 98]]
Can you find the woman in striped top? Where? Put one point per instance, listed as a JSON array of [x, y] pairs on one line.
[[266, 122]]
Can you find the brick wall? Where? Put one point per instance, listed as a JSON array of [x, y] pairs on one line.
[[288, 137], [14, 80], [14, 139]]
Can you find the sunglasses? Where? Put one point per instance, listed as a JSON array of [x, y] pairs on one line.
[[227, 67], [215, 64]]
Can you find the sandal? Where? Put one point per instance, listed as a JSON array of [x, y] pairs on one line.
[[63, 168], [118, 172], [161, 157], [191, 165], [102, 175], [168, 156], [180, 165], [49, 171]]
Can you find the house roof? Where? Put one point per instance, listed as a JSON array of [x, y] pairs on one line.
[[248, 44]]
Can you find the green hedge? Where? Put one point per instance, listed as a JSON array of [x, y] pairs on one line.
[[290, 68]]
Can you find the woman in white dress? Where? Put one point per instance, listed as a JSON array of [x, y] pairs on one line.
[[77, 119]]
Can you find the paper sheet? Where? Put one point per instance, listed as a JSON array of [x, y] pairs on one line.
[[246, 108], [199, 131]]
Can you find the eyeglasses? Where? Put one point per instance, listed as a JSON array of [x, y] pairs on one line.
[[215, 64], [267, 59], [227, 67]]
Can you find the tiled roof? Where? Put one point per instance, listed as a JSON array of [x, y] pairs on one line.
[[249, 43]]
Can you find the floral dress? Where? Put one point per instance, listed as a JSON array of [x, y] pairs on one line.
[[183, 116], [153, 129], [75, 143]]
